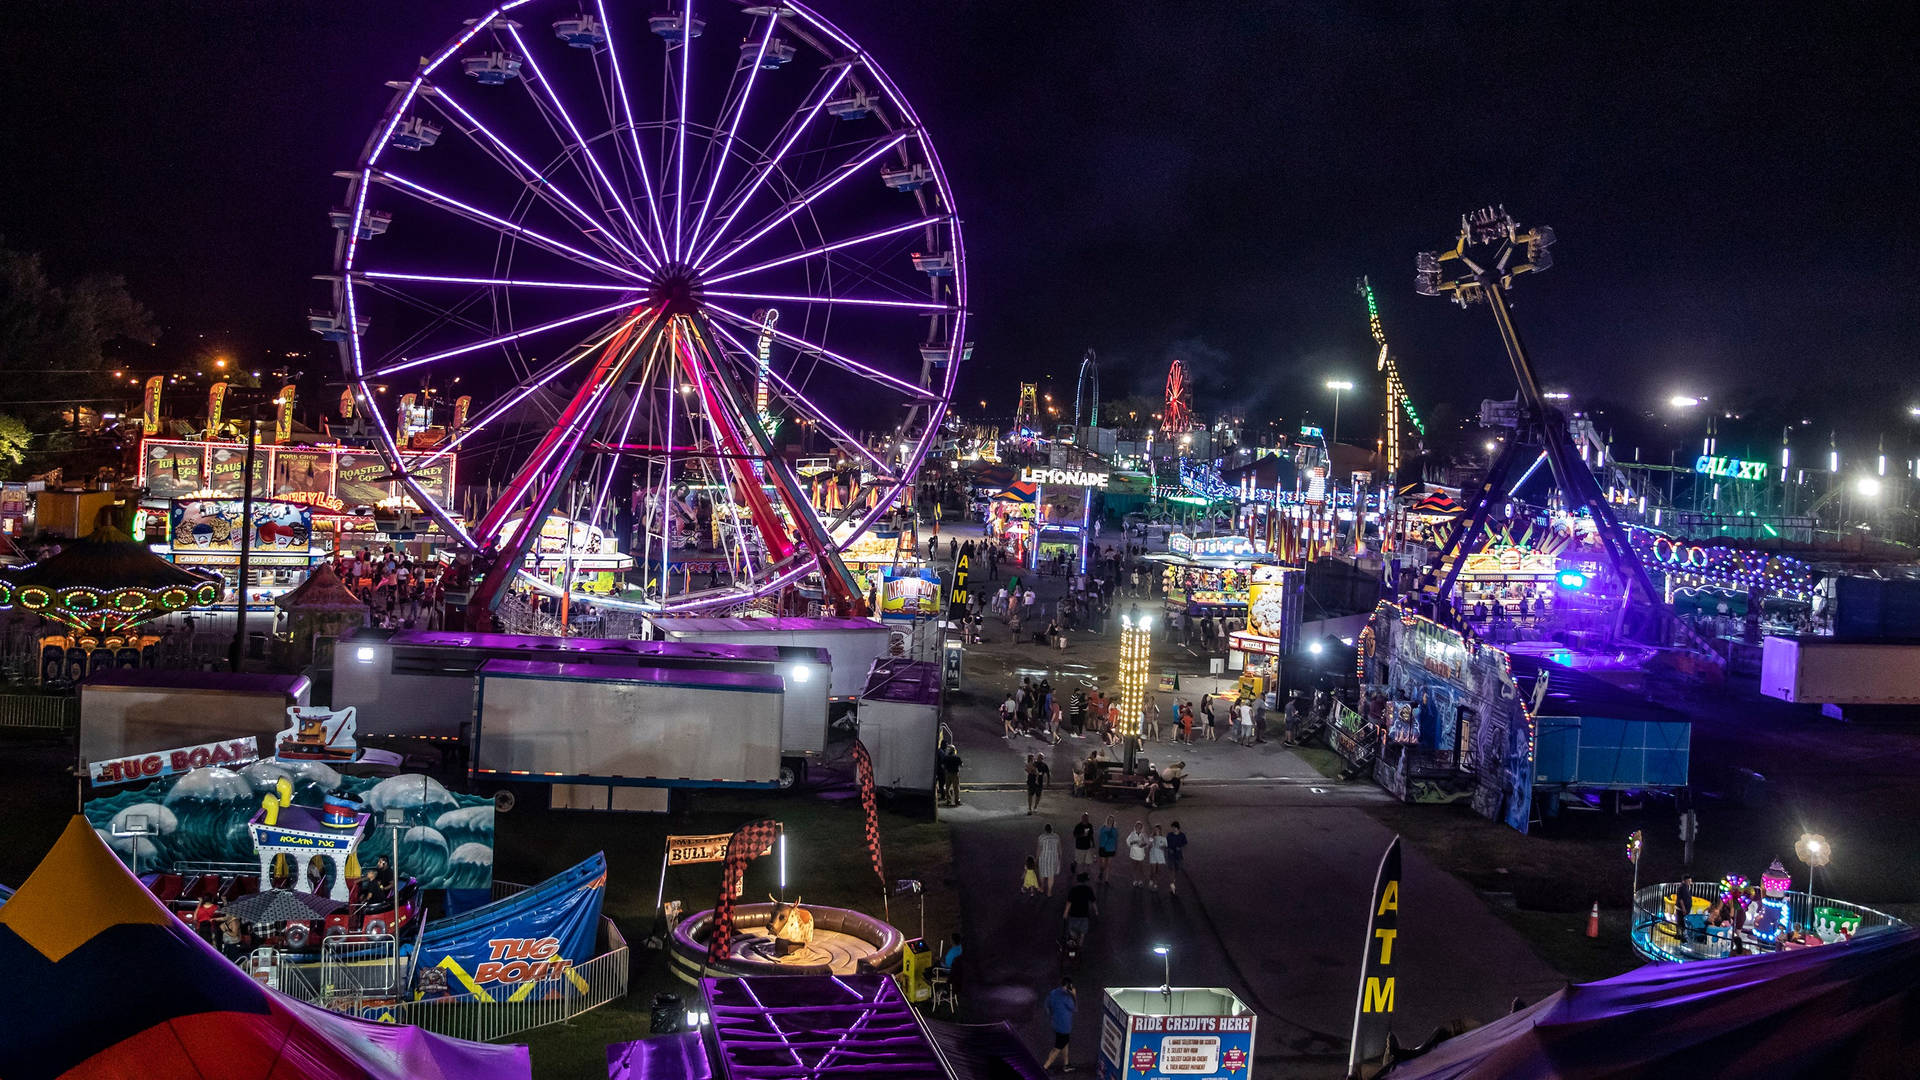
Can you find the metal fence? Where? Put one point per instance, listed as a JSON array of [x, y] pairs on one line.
[[53, 712], [1658, 935]]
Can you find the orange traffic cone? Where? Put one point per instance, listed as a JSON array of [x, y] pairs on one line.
[[1593, 920]]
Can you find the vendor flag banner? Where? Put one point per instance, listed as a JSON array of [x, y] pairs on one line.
[[150, 406], [522, 946], [863, 768], [750, 841], [1373, 1010]]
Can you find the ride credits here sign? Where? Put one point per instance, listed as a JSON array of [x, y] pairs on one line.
[[1177, 1046]]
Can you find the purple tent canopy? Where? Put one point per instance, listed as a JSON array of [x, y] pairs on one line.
[[1833, 1010]]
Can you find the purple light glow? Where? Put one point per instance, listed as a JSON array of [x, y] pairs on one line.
[[911, 305], [807, 198], [680, 154], [726, 147], [434, 198], [773, 164], [593, 225], [819, 414], [824, 248], [808, 346], [501, 340], [633, 132], [383, 275], [593, 162]]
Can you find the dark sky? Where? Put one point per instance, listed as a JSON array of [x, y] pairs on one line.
[[1733, 190]]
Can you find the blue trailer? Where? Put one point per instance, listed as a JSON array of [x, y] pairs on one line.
[[1590, 735]]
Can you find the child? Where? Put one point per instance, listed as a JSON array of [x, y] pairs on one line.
[[1030, 881]]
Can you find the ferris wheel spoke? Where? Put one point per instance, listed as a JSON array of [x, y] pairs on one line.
[[733, 129], [807, 197], [500, 339], [633, 130], [813, 349], [805, 404], [680, 127], [779, 298], [579, 143], [878, 234], [825, 91], [530, 176], [499, 224], [517, 283]]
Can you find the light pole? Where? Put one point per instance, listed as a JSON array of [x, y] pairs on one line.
[[1136, 643], [1165, 953], [1336, 385]]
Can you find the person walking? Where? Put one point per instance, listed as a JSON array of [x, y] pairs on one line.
[[1083, 845], [1048, 853], [1108, 841], [1138, 841], [1033, 785], [1082, 906], [1156, 857], [1030, 878], [1176, 852], [1061, 1003]]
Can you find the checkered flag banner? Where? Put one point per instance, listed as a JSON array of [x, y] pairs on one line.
[[749, 842], [863, 766]]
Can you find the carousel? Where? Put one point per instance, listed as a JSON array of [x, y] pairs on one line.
[[100, 592]]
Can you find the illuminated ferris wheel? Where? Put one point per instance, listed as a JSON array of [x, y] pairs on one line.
[[702, 266]]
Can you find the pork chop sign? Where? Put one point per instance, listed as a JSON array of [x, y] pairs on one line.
[[229, 753], [1373, 1009]]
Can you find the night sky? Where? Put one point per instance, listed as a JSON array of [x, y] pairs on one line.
[[1732, 192]]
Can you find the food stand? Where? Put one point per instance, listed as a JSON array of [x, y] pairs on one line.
[[1193, 1033]]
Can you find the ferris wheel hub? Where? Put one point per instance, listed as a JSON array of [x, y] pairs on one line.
[[675, 290]]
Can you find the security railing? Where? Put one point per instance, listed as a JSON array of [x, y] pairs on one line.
[[52, 712], [1660, 934]]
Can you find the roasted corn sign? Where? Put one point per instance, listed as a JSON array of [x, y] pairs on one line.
[[1373, 1009]]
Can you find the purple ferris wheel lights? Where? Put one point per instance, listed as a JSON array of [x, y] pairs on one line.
[[806, 198], [773, 164], [680, 137], [824, 248], [539, 182], [393, 369], [434, 198], [793, 392], [441, 279], [822, 351], [776, 298], [733, 129], [593, 163], [633, 130]]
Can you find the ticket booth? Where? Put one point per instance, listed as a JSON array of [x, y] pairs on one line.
[[1184, 1032]]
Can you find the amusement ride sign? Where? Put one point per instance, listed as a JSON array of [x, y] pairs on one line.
[[1730, 468], [228, 753]]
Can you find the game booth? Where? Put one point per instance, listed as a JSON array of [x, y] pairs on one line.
[[1209, 576]]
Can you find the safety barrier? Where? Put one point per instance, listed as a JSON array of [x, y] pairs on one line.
[[537, 1004], [52, 712]]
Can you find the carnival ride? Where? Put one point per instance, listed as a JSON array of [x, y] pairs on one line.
[[1397, 399], [1490, 253], [1177, 418], [1086, 393], [529, 215]]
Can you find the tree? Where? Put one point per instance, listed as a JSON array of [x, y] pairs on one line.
[[53, 338], [13, 442]]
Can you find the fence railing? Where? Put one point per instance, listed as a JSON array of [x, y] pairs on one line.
[[1660, 934], [53, 712]]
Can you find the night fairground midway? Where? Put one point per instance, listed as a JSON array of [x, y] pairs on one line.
[[710, 540]]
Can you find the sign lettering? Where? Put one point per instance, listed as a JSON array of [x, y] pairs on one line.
[[1730, 468], [1373, 1008], [1065, 477], [172, 762], [690, 850]]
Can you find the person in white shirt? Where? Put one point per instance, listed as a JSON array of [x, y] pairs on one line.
[[1245, 712], [1138, 842], [1156, 857]]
